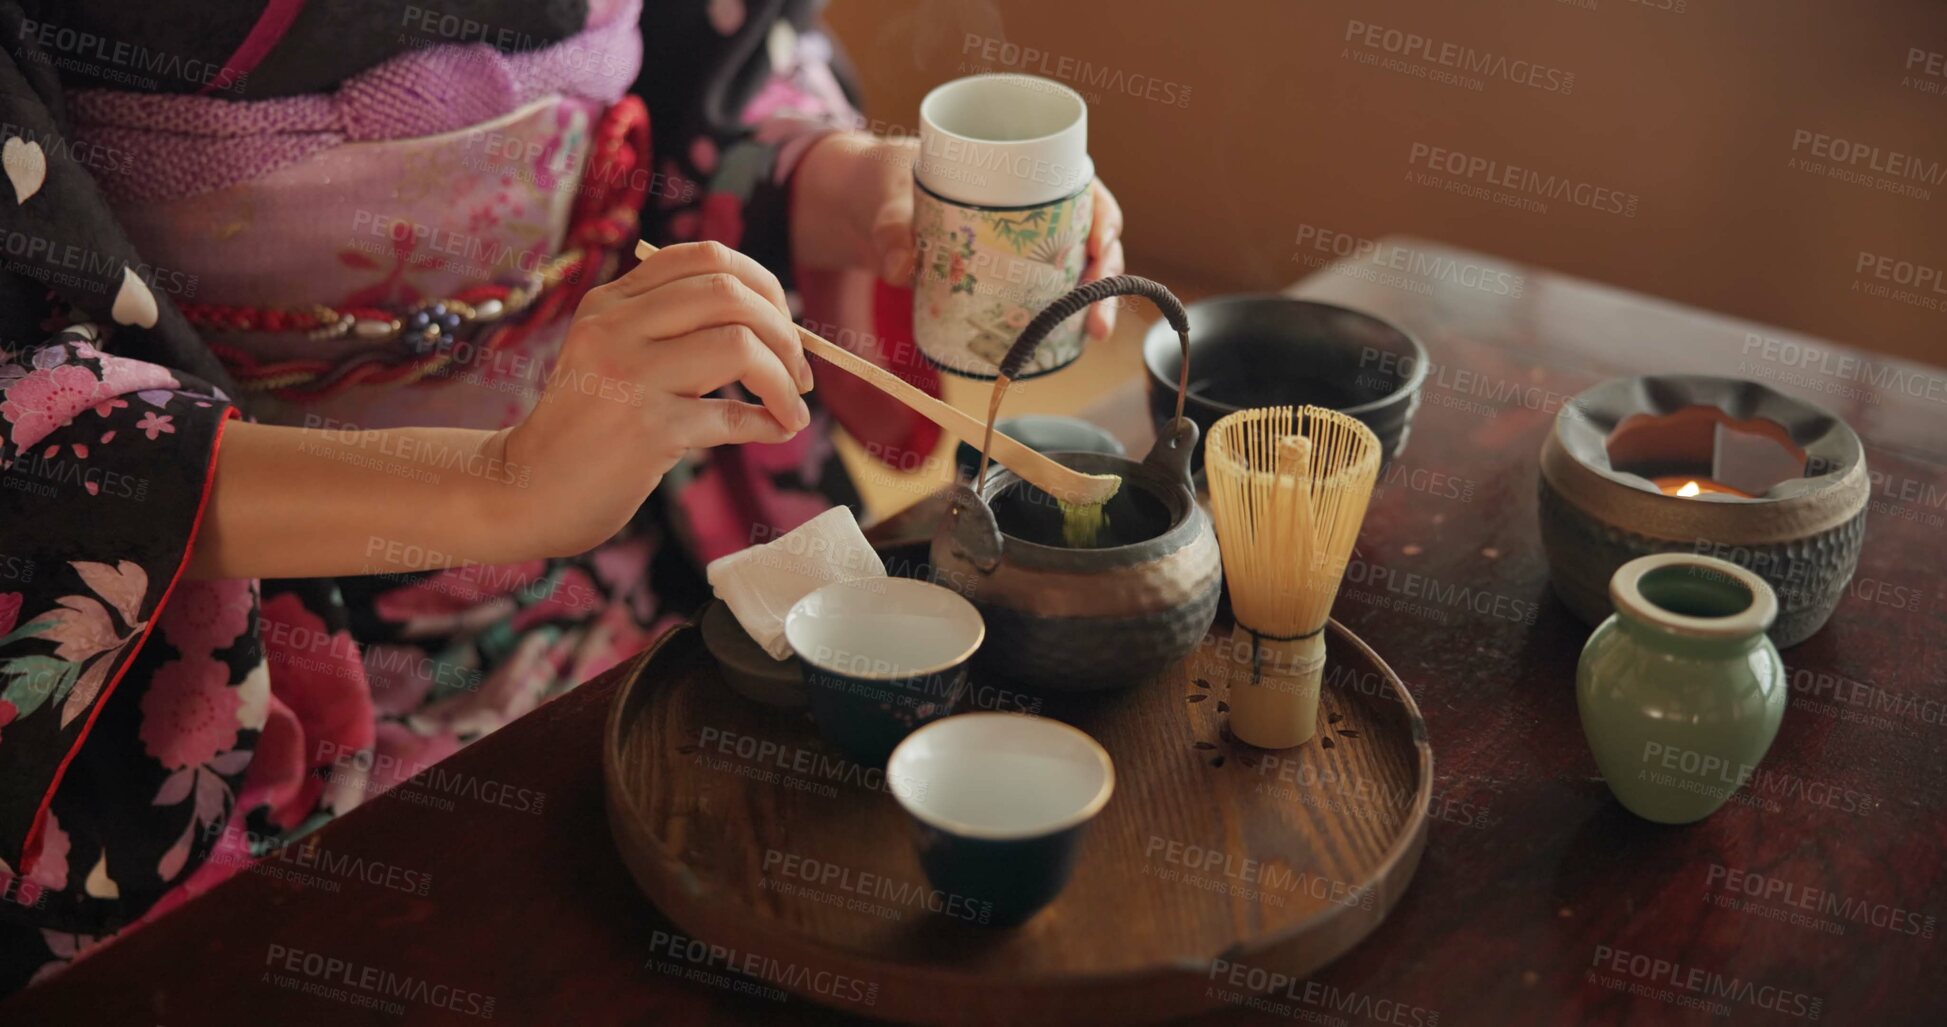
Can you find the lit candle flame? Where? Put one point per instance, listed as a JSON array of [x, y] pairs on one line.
[[1690, 488]]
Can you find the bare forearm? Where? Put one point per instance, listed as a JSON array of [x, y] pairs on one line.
[[630, 393], [295, 502]]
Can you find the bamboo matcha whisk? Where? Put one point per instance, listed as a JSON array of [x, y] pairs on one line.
[[1288, 491]]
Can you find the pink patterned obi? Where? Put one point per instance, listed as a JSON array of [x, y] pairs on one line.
[[450, 171]]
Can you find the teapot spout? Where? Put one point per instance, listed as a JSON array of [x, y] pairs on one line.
[[1176, 442], [970, 529]]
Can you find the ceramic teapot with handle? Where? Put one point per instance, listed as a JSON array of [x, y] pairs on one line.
[[1067, 618]]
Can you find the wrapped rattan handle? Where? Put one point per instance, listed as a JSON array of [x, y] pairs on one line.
[[1067, 306]]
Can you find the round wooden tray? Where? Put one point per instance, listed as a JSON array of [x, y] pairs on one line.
[[753, 836]]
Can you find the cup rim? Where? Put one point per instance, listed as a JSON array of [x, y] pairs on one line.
[[932, 124], [1626, 593], [1082, 815], [958, 602]]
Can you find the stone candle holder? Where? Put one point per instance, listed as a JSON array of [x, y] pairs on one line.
[[1769, 482]]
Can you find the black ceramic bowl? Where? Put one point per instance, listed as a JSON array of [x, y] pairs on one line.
[[1271, 350]]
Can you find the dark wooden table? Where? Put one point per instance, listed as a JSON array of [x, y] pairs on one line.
[[1540, 900]]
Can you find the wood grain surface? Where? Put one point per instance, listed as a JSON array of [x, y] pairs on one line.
[[1534, 882], [750, 832]]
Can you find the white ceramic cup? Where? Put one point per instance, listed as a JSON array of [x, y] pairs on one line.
[[1001, 216], [1000, 802], [881, 656]]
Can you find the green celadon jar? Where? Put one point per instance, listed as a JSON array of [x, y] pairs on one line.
[[1680, 690]]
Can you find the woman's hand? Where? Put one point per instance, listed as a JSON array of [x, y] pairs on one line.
[[622, 405], [852, 207], [624, 402]]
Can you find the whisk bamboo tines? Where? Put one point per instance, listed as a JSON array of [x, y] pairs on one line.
[[1288, 490]]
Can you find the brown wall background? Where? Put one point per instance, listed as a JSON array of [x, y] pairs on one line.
[[1227, 127]]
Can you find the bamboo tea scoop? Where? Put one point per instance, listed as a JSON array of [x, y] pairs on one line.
[[1064, 483]]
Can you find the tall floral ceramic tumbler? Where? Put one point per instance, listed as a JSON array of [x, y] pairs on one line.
[[1681, 691], [1002, 208]]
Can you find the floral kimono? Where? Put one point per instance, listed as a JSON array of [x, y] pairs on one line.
[[259, 215]]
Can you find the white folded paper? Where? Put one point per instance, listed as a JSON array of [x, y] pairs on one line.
[[761, 584]]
